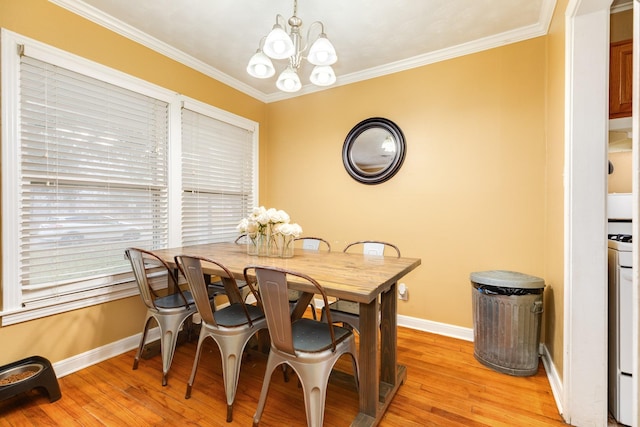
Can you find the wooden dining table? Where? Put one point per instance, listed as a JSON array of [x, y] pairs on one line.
[[369, 280]]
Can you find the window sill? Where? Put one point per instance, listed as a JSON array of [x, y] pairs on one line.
[[52, 306]]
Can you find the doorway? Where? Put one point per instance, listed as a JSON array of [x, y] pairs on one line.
[[586, 128], [586, 131]]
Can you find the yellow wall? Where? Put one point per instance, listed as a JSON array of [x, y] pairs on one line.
[[60, 337], [470, 195], [65, 335], [480, 189], [554, 190]]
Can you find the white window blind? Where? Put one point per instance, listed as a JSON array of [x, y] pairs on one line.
[[217, 177], [93, 171], [92, 163]]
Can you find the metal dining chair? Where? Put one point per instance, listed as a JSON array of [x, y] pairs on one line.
[[308, 244], [217, 287], [310, 347], [241, 239], [230, 327], [348, 312], [314, 243], [169, 311]]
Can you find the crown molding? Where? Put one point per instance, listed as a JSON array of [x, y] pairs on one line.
[[521, 34], [89, 12], [445, 54], [107, 21], [525, 33]]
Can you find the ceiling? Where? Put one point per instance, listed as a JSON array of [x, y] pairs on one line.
[[372, 38]]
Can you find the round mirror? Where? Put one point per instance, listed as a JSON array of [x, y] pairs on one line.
[[373, 150]]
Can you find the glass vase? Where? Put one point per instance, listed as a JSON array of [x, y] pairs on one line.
[[263, 244], [275, 245], [287, 246], [252, 245]]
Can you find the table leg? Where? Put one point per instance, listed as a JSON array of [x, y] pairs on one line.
[[380, 375], [301, 305], [389, 340], [368, 357]]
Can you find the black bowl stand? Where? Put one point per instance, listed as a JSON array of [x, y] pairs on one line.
[[44, 379]]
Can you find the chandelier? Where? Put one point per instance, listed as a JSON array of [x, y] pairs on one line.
[[280, 45]]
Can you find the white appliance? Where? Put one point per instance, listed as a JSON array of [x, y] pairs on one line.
[[620, 306]]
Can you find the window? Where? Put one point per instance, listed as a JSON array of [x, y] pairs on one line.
[[93, 168], [217, 176], [95, 161]]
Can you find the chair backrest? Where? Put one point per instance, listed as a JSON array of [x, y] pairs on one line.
[[241, 239], [274, 283], [314, 243], [143, 262], [191, 268], [372, 247]]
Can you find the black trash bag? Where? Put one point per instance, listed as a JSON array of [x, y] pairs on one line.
[[501, 290]]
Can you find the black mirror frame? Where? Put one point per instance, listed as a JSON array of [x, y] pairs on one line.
[[389, 171]]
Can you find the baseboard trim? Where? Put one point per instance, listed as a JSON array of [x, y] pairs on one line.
[[554, 378], [97, 355], [91, 357], [465, 334]]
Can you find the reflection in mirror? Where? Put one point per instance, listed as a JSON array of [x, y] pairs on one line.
[[374, 150]]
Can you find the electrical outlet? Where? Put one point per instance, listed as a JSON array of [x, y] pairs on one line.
[[403, 292]]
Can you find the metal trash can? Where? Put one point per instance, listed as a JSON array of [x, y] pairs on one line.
[[507, 316]]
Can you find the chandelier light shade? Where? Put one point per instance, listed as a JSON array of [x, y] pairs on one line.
[[260, 66], [288, 81], [280, 45], [322, 52], [322, 75]]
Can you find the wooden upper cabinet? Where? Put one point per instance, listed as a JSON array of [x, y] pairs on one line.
[[620, 76]]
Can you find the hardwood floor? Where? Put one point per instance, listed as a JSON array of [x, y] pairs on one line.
[[445, 386]]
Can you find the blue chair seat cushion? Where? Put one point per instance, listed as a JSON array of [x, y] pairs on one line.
[[314, 336], [174, 300], [233, 315]]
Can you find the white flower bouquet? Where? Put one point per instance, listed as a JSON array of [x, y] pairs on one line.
[[269, 232]]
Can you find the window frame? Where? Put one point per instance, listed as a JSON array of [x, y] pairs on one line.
[[117, 286]]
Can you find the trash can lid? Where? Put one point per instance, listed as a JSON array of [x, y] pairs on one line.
[[507, 279]]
